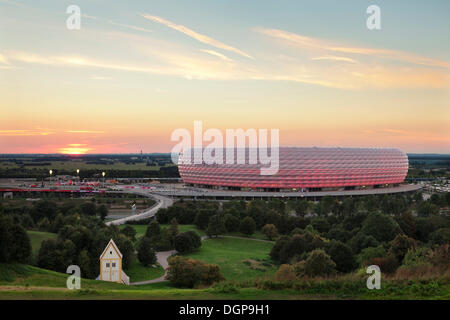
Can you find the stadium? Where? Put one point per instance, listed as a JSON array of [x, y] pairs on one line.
[[303, 169]]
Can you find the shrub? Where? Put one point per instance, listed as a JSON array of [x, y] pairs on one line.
[[231, 223], [387, 265], [285, 273], [187, 242], [130, 232], [380, 226], [400, 246], [216, 226], [188, 273], [440, 236], [318, 263], [247, 226], [270, 231], [370, 253], [416, 257], [342, 255]]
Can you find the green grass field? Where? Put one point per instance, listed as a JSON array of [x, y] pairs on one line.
[[238, 259], [27, 282], [36, 238], [137, 272]]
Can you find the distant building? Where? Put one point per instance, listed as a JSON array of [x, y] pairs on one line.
[[300, 169], [111, 265]]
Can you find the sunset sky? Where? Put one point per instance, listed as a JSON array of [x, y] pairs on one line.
[[137, 70]]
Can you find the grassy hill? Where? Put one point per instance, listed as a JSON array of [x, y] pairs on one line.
[[238, 259], [27, 282], [36, 238]]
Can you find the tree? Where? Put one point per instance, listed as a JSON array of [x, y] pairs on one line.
[[84, 262], [342, 255], [231, 223], [318, 263], [361, 241], [370, 253], [400, 246], [188, 273], [187, 242], [88, 208], [20, 246], [130, 232], [320, 224], [173, 229], [51, 255], [440, 236], [102, 211], [247, 226], [15, 244], [270, 231], [146, 254], [216, 226], [285, 273], [153, 229], [382, 227], [126, 248], [278, 246], [44, 209], [426, 208], [202, 219]]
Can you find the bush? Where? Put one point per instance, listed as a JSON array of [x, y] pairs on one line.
[[270, 231], [387, 265], [416, 257], [400, 246], [440, 236], [342, 255], [153, 229], [187, 242], [188, 273], [380, 226], [247, 226], [285, 273], [318, 263], [130, 232], [231, 223], [370, 253], [225, 287], [216, 226]]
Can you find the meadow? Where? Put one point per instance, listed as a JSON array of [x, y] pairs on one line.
[[238, 259], [26, 282]]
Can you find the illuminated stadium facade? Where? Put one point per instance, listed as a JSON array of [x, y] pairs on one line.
[[304, 169]]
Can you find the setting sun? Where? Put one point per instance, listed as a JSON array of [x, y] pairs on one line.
[[74, 149]]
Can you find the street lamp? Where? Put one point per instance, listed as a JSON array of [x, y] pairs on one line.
[[78, 175], [50, 172], [103, 174]]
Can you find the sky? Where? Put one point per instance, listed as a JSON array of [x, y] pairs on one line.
[[138, 70]]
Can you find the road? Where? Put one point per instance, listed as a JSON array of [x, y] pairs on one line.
[[161, 202]]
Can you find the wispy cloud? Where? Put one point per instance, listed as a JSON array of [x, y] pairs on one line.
[[217, 54], [335, 58], [197, 36], [23, 132], [329, 46], [128, 26], [83, 131]]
